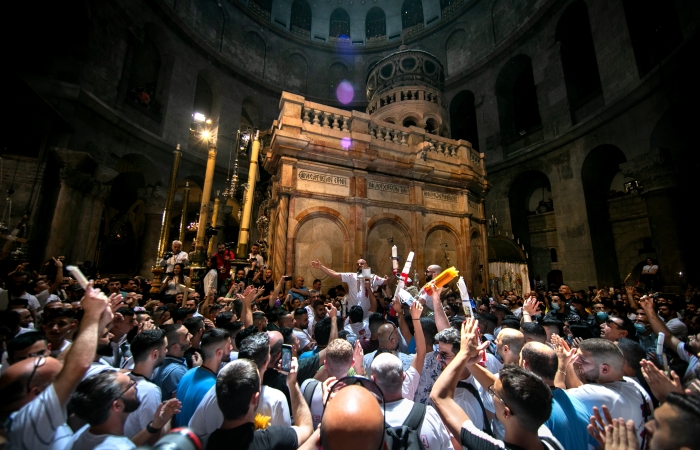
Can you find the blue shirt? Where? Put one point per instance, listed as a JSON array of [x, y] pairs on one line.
[[568, 421], [299, 297], [310, 353], [191, 390], [168, 376]]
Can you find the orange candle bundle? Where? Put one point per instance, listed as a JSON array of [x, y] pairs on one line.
[[445, 277]]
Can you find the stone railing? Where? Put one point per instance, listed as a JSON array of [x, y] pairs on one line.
[[453, 8], [388, 132], [326, 116], [406, 94], [442, 146]]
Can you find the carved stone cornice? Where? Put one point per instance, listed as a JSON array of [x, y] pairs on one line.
[[654, 170], [76, 179]]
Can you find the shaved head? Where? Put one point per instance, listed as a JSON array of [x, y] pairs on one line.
[[353, 419], [13, 382], [541, 359], [387, 372], [276, 341], [386, 334]]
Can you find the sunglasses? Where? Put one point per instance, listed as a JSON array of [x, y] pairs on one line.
[[366, 383]]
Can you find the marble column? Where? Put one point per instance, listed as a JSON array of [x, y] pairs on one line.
[[279, 264], [66, 214], [658, 174], [154, 198]]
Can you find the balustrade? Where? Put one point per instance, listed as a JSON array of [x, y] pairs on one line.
[[326, 119]]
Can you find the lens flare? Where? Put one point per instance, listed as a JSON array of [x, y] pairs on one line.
[[345, 92], [345, 143]]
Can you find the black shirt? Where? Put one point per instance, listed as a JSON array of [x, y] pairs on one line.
[[475, 439], [245, 437]]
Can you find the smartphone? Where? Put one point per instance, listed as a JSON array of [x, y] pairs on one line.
[[287, 278], [286, 358]]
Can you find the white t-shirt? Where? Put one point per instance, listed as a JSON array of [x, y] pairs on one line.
[[33, 303], [356, 294], [40, 424], [98, 367], [359, 329], [624, 399], [410, 383], [150, 396], [312, 320], [303, 336], [433, 433], [316, 405], [84, 440], [647, 269], [207, 418]]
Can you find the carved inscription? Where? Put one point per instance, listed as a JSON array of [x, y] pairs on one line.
[[440, 196], [323, 178], [395, 188]]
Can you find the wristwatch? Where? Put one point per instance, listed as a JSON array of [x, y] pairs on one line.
[[152, 430]]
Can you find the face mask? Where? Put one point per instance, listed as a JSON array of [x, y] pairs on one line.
[[602, 315], [555, 306], [640, 328]]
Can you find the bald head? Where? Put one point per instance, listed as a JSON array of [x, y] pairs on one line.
[[541, 359], [276, 342], [13, 382], [353, 419], [388, 336], [508, 344]]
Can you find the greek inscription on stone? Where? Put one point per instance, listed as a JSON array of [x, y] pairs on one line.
[[395, 188], [440, 196], [323, 178]]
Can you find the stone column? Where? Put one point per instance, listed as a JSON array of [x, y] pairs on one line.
[[279, 262], [88, 226], [658, 174], [65, 216], [154, 198]]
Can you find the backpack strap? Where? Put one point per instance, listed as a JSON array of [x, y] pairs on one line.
[[472, 390], [415, 417], [309, 391]]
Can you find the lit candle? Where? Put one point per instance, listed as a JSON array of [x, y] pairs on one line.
[[495, 221], [395, 259]]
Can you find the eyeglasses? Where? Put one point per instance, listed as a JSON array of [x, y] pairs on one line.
[[131, 384], [492, 391], [38, 362], [366, 383], [612, 322], [443, 356]]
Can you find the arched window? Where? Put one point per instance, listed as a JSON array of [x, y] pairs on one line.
[[202, 98], [340, 26], [142, 88], [553, 255], [463, 118], [518, 110], [578, 60], [654, 30], [261, 7], [411, 15], [375, 25], [300, 20]]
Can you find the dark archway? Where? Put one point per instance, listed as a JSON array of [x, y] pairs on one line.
[[518, 109], [300, 19], [340, 24], [203, 98], [654, 30], [579, 62], [142, 84], [555, 278], [524, 187], [411, 13], [463, 118], [598, 170], [375, 24]]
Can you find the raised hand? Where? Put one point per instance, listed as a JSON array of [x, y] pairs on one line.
[[93, 303], [316, 264], [358, 355], [196, 360], [416, 310], [598, 425], [658, 382], [564, 353], [332, 311], [647, 304], [165, 411], [292, 374], [115, 302], [469, 344], [530, 306], [326, 387]]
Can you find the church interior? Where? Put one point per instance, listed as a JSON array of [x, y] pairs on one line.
[[507, 138]]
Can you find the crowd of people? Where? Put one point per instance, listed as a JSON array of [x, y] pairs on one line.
[[250, 359]]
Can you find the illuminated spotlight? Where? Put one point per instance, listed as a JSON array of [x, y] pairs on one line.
[[199, 117], [345, 143], [208, 121], [206, 134], [345, 92]]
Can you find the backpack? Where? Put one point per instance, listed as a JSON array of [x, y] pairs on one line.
[[472, 390], [407, 436]]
